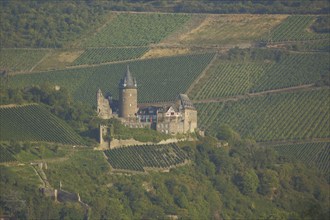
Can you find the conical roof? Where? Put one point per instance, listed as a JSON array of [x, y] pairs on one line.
[[128, 81]]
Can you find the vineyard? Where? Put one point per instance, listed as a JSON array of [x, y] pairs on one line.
[[225, 79], [289, 116], [16, 60], [103, 55], [295, 28], [35, 123], [158, 79], [5, 155], [137, 29], [317, 154], [228, 78], [138, 158]]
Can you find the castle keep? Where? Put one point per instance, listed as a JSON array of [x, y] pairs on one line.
[[179, 117]]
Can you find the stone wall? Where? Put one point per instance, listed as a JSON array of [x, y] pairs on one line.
[[115, 143]]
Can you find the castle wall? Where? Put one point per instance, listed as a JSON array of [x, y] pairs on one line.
[[103, 106], [127, 102], [190, 120]]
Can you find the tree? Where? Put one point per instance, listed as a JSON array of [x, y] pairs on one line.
[[227, 133], [268, 182], [249, 182]]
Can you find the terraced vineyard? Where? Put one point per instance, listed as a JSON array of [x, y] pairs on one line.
[[20, 59], [158, 79], [294, 70], [103, 55], [138, 158], [300, 115], [317, 154], [5, 155], [35, 123], [295, 28], [129, 29], [228, 78]]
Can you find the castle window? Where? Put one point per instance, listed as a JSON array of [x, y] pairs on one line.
[[130, 105], [130, 94]]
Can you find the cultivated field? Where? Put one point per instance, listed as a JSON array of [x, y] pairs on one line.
[[5, 155], [228, 78], [287, 116], [295, 28], [136, 29], [138, 158], [16, 60], [168, 76], [35, 123]]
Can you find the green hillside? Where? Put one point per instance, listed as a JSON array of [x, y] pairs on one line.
[[287, 116], [168, 76], [237, 77], [35, 123]]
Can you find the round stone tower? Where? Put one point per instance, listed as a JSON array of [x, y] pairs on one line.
[[127, 96]]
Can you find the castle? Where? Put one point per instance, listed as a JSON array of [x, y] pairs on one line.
[[179, 117]]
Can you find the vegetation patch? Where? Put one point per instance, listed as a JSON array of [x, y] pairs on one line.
[[315, 154], [45, 24]]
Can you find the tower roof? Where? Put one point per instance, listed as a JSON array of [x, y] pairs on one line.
[[128, 81], [185, 102]]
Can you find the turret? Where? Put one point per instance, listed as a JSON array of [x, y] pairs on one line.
[[127, 96]]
